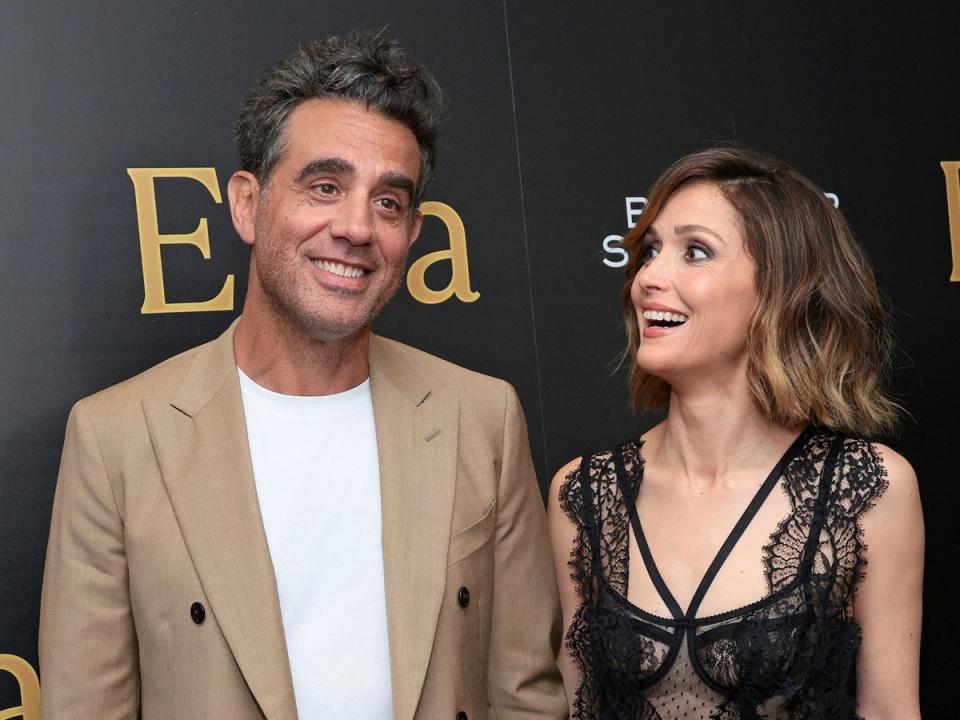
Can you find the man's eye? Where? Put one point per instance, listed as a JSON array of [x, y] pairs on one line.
[[389, 204], [325, 188]]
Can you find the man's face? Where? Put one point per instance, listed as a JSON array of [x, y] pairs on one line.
[[332, 228]]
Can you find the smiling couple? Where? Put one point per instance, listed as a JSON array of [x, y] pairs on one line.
[[303, 519]]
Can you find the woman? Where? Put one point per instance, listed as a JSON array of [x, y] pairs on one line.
[[752, 556]]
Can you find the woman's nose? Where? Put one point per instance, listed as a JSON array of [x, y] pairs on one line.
[[653, 274]]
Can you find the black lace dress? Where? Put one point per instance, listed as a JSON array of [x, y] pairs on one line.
[[790, 655]]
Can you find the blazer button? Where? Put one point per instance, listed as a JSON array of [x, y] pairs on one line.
[[461, 715], [463, 598], [197, 613]]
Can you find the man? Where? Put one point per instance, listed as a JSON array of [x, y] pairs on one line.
[[301, 518]]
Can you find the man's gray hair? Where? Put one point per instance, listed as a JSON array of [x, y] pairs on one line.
[[361, 66]]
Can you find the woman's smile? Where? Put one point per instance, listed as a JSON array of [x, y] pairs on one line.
[[695, 282]]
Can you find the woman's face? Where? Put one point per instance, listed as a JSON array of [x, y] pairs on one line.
[[695, 290]]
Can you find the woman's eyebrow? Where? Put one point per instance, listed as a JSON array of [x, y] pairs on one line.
[[686, 229]]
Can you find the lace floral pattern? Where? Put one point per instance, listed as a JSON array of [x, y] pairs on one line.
[[789, 656]]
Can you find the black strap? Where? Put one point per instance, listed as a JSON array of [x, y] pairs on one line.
[[763, 492], [591, 512], [820, 507], [630, 498], [735, 534]]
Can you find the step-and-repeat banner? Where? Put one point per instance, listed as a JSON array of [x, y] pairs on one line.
[[117, 249]]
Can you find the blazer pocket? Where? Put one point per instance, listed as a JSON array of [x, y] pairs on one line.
[[469, 540]]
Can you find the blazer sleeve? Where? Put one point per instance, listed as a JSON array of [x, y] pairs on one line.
[[524, 681], [87, 642]]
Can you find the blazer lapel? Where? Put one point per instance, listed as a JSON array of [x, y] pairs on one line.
[[417, 441], [200, 440]]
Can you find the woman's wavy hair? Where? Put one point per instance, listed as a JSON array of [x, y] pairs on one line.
[[819, 340]]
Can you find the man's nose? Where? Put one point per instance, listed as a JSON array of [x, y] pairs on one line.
[[354, 221]]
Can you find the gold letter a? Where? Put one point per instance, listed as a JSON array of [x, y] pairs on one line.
[[457, 255], [951, 171]]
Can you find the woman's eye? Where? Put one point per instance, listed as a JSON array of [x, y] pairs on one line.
[[648, 252], [695, 252]]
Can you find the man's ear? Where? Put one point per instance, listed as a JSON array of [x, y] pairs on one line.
[[415, 226], [243, 192]]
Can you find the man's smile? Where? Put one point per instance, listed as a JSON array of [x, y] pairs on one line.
[[348, 271]]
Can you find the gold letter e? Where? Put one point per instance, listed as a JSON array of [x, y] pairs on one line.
[[154, 298]]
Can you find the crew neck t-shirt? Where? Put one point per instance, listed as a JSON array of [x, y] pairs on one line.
[[317, 476]]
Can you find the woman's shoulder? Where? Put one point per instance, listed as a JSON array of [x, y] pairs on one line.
[[598, 470], [565, 473], [899, 471], [901, 488], [563, 506], [891, 528], [565, 483], [627, 452], [870, 472]]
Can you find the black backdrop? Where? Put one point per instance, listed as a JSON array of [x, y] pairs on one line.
[[557, 113]]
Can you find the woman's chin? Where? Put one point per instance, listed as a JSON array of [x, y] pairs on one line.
[[654, 355], [658, 366]]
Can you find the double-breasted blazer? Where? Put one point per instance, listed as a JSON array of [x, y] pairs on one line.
[[156, 516]]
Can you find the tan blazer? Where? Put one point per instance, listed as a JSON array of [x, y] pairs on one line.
[[156, 509]]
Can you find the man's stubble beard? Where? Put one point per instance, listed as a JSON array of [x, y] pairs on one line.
[[291, 302]]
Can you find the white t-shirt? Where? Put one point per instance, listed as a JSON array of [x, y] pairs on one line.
[[318, 482]]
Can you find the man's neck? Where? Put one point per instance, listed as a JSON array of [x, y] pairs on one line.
[[285, 360]]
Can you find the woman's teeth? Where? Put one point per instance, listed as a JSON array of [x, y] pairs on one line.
[[658, 316]]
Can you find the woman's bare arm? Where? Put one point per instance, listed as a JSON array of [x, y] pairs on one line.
[[563, 535], [888, 603]]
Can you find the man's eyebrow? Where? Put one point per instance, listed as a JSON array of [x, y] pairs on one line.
[[399, 181], [335, 165], [340, 166], [687, 229]]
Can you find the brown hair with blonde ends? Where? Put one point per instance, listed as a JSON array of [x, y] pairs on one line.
[[819, 341]]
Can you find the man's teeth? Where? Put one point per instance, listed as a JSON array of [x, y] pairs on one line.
[[657, 315], [339, 268]]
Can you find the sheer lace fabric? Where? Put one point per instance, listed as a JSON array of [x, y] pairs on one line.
[[789, 655]]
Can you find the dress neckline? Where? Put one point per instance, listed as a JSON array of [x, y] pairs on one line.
[[630, 498]]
